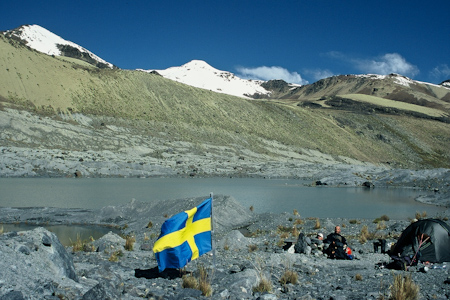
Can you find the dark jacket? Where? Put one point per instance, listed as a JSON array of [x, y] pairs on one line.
[[336, 238]]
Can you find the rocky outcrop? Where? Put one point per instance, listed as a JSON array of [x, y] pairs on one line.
[[34, 262], [34, 265]]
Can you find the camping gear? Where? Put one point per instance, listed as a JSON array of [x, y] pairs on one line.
[[381, 243], [424, 240]]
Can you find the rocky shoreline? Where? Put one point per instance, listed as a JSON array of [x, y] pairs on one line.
[[35, 265], [91, 146]]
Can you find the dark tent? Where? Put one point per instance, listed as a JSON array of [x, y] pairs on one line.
[[435, 238]]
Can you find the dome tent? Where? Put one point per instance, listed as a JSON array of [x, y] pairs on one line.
[[429, 238]]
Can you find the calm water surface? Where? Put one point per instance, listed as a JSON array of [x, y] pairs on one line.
[[275, 195], [67, 234]]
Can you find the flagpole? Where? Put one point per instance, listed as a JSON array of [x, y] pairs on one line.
[[212, 233]]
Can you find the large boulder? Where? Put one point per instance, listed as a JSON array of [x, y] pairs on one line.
[[34, 262], [303, 244]]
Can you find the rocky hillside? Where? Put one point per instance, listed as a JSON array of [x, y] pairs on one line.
[[392, 94], [133, 106]]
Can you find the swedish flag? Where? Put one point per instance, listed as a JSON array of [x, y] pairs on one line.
[[184, 237]]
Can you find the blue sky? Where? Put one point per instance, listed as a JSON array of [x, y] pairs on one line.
[[298, 41]]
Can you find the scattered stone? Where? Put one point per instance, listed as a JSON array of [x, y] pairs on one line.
[[368, 184], [34, 265]]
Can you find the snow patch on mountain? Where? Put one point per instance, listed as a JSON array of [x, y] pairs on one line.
[[399, 79], [42, 40], [200, 74], [446, 84]]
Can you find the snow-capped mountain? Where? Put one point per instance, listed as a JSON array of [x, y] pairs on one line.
[[446, 83], [42, 40], [200, 74]]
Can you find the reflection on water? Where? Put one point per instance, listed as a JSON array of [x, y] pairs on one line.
[[67, 234], [265, 195]]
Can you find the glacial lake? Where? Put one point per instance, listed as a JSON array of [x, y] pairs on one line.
[[265, 195]]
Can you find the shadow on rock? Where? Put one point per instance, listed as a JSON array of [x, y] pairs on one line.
[[154, 273]]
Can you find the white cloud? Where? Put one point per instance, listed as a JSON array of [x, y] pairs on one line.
[[318, 74], [270, 73], [386, 64], [441, 72], [383, 65]]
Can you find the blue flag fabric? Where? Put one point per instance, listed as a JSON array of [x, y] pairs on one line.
[[184, 237]]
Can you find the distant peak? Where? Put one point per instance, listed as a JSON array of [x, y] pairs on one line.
[[199, 73], [198, 64], [45, 41]]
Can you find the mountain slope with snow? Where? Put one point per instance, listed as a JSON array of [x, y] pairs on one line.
[[42, 40], [200, 74]]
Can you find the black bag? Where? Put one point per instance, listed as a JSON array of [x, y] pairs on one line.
[[401, 263], [336, 251]]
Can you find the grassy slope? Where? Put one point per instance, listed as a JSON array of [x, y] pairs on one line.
[[395, 104], [182, 112]]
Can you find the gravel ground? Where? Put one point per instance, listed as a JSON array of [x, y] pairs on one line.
[[249, 248]]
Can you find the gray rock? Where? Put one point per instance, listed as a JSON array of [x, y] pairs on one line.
[[110, 242], [24, 249], [302, 244], [267, 297], [244, 281], [234, 240], [13, 295], [97, 292], [36, 271]]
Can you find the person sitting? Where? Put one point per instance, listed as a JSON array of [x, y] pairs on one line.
[[337, 248], [317, 242], [336, 237]]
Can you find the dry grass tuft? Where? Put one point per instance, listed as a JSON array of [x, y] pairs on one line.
[[284, 235], [295, 232], [289, 276], [252, 208], [317, 225], [80, 245], [381, 225], [296, 213], [364, 234], [282, 228], [202, 283], [189, 282], [280, 243], [358, 277], [150, 224], [115, 256], [382, 218], [264, 286], [252, 247], [1, 230], [129, 242], [298, 222], [422, 215], [404, 288], [226, 247]]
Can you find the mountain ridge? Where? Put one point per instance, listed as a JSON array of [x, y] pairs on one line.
[[147, 105], [197, 73], [45, 41]]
